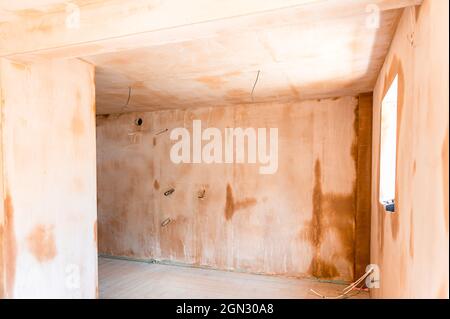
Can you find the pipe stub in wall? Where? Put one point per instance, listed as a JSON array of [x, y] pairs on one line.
[[169, 192], [165, 222]]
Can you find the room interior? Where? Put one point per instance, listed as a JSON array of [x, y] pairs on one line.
[[94, 206]]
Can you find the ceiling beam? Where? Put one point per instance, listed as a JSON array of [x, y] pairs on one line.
[[112, 25]]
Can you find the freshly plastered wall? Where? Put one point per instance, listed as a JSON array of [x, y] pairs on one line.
[[411, 245], [304, 220], [48, 220]]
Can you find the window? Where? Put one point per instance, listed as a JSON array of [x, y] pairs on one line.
[[388, 147]]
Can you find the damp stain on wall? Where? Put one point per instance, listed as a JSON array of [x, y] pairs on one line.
[[19, 66], [444, 156], [213, 82], [232, 206], [331, 213], [2, 293], [10, 252], [41, 243], [94, 231], [319, 268], [363, 165]]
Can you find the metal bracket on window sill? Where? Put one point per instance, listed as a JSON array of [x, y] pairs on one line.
[[389, 206]]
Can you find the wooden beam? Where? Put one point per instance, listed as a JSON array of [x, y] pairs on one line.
[[109, 25]]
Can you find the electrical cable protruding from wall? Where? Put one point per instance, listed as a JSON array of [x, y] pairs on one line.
[[201, 194], [347, 289], [254, 84], [161, 131], [128, 98], [165, 222]]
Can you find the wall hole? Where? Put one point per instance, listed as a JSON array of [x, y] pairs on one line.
[[139, 121]]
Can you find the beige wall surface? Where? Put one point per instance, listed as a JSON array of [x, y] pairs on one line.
[[299, 221], [49, 180], [411, 246]]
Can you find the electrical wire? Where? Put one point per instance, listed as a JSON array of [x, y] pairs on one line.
[[348, 289], [128, 99], [254, 84]]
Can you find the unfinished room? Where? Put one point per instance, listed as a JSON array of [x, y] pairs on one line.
[[239, 149]]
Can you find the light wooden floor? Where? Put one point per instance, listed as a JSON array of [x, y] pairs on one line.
[[131, 279]]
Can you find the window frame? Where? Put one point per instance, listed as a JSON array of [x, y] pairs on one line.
[[388, 147]]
